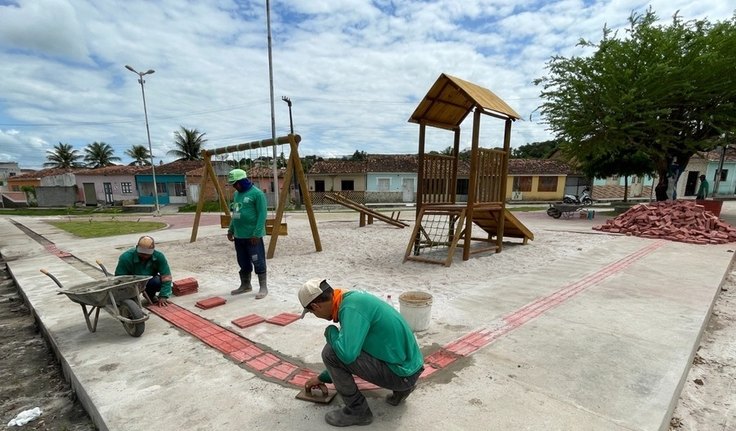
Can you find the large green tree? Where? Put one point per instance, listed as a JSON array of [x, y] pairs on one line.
[[139, 154], [189, 143], [646, 98], [63, 156], [535, 150], [99, 154]]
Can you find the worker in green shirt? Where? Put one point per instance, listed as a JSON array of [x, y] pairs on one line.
[[374, 342], [144, 259], [703, 189], [247, 229]]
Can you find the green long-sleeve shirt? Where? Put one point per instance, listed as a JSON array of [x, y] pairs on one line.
[[130, 264], [369, 324], [249, 210]]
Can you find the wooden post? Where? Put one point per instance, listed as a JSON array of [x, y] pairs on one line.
[[472, 184]]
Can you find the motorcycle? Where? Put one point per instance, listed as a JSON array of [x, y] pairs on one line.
[[584, 198]]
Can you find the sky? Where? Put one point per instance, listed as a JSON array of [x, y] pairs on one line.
[[354, 70]]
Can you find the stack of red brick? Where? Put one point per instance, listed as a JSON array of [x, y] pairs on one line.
[[682, 221], [185, 286]]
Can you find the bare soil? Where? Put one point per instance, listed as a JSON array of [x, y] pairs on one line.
[[30, 375]]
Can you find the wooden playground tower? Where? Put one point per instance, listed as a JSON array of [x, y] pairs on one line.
[[443, 224], [293, 165]]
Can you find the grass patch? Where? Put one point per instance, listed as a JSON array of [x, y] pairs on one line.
[[527, 208], [209, 207], [57, 211], [96, 229]]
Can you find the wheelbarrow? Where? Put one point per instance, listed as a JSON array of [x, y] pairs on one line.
[[558, 210], [118, 295]]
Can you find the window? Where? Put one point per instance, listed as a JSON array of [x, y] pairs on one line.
[[724, 174], [161, 188], [462, 186], [547, 184], [522, 184], [180, 189], [319, 186], [126, 188], [383, 184], [347, 185]]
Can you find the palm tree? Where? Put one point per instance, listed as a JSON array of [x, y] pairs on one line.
[[188, 144], [140, 155], [63, 156], [99, 154]]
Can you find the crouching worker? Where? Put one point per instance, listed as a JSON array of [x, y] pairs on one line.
[[144, 259], [374, 342]]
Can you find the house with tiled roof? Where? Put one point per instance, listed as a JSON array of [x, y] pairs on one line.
[[171, 182], [337, 175], [48, 187], [108, 185], [391, 177], [722, 180]]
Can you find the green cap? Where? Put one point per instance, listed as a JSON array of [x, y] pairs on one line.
[[236, 175]]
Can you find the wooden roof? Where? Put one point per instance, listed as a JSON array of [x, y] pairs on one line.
[[451, 99]]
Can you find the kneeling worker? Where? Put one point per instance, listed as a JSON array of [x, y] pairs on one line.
[[143, 259], [374, 342]]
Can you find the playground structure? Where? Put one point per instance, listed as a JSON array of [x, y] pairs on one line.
[[293, 167], [366, 214], [442, 223]]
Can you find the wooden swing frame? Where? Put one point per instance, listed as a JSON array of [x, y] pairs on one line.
[[294, 164]]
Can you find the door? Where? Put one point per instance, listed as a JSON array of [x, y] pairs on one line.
[[692, 181], [90, 196], [107, 188], [407, 190], [193, 193]]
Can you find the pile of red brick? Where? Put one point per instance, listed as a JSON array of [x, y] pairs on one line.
[[185, 286], [682, 221]]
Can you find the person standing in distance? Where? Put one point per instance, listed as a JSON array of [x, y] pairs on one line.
[[247, 229], [704, 188]]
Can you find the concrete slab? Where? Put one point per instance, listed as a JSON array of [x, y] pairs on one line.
[[600, 340]]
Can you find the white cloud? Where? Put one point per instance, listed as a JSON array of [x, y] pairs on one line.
[[354, 69]]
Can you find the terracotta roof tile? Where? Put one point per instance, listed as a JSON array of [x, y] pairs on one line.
[[112, 170], [43, 173], [326, 167]]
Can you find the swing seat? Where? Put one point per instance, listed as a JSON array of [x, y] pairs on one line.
[[269, 227], [224, 221]]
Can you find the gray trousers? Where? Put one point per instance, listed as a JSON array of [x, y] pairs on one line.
[[367, 368]]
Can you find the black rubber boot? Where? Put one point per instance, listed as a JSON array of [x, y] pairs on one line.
[[263, 286], [244, 284], [344, 418], [398, 396]]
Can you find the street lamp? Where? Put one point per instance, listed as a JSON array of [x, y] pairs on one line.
[[148, 132]]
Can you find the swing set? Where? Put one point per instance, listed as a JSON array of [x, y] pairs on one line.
[[293, 167]]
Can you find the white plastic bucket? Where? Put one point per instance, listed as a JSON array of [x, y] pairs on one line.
[[416, 307]]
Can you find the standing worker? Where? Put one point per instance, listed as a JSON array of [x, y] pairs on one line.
[[144, 259], [374, 342], [703, 189], [247, 229]]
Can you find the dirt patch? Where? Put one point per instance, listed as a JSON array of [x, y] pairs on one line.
[[31, 376]]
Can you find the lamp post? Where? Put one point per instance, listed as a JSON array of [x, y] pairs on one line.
[[148, 132]]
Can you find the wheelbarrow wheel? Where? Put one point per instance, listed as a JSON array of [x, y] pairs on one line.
[[130, 310], [554, 212]]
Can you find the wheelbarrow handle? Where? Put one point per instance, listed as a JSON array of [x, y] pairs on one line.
[[58, 283], [107, 273]]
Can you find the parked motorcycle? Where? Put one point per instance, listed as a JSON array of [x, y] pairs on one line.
[[584, 198]]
